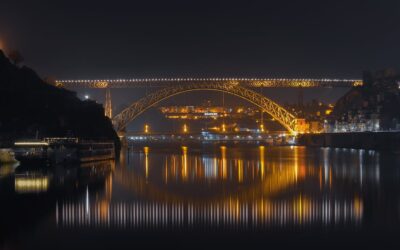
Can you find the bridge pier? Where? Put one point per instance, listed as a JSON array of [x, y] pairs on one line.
[[122, 138], [108, 104]]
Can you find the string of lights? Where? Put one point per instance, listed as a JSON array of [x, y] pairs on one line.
[[249, 82]]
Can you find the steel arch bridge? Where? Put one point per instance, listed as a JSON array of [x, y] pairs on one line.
[[240, 87], [284, 117]]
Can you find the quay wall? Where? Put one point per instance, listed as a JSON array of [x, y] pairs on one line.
[[357, 140]]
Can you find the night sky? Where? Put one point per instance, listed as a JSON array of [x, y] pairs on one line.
[[116, 39], [90, 39]]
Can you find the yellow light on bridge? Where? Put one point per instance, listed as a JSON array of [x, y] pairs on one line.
[[223, 127], [146, 128]]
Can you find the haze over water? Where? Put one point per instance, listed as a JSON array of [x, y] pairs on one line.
[[193, 197]]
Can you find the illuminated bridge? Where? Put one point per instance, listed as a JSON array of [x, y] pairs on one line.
[[246, 82], [240, 87]]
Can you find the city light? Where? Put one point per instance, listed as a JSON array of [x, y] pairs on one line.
[[87, 97], [262, 128], [27, 143], [146, 128], [185, 128], [223, 127]]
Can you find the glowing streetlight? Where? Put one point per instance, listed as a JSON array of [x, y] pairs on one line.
[[87, 97], [146, 128], [223, 127], [262, 128]]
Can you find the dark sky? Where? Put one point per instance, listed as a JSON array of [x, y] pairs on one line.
[[94, 39], [282, 38]]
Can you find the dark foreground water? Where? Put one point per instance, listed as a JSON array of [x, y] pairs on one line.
[[209, 197]]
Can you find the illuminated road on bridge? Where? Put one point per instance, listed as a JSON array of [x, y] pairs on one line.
[[245, 82]]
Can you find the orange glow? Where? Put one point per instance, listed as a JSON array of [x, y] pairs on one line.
[[184, 163], [224, 166], [358, 206], [146, 161], [240, 170], [262, 162]]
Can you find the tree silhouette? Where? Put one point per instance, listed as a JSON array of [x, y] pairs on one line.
[[16, 57]]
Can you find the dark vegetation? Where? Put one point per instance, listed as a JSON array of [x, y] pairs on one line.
[[31, 108]]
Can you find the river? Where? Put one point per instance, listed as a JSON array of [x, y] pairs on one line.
[[206, 197]]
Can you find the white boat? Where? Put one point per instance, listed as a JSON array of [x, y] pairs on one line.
[[7, 156]]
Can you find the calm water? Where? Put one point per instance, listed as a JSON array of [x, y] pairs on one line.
[[209, 197]]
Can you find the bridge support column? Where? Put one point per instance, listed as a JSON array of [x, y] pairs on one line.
[[108, 105], [122, 138]]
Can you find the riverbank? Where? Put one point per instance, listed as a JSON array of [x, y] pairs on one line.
[[389, 141]]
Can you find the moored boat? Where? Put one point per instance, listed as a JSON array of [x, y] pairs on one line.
[[53, 151]]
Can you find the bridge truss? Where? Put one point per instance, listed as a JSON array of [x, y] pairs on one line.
[[280, 114], [241, 87]]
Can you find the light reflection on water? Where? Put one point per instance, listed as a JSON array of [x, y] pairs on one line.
[[229, 187], [272, 192]]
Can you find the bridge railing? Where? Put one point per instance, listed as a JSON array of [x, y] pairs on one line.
[[246, 82]]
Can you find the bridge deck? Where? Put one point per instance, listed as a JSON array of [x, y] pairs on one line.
[[245, 82]]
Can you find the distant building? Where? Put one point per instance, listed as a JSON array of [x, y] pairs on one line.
[[371, 107], [207, 112]]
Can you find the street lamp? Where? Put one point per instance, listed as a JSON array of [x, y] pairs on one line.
[[146, 128]]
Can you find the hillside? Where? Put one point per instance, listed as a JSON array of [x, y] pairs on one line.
[[29, 107], [379, 97]]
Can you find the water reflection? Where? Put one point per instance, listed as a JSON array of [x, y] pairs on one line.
[[229, 187], [226, 213], [7, 169], [31, 183]]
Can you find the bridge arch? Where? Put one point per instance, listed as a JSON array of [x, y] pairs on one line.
[[280, 114]]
